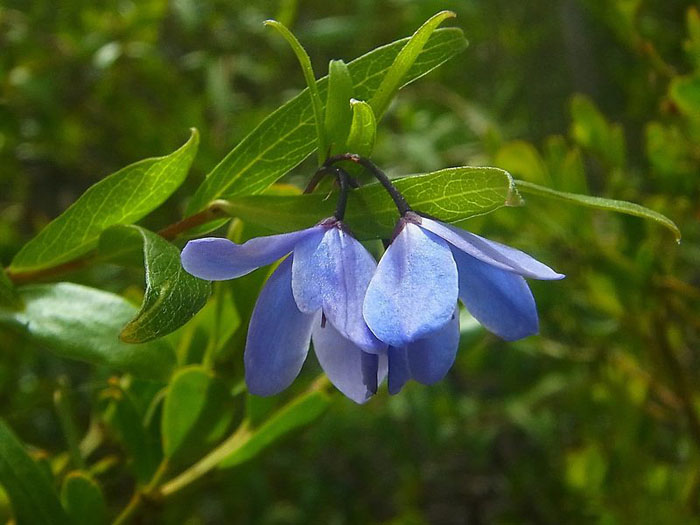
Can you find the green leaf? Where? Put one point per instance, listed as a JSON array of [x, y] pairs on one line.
[[394, 78], [310, 77], [122, 198], [196, 413], [685, 92], [338, 112], [363, 130], [301, 411], [172, 295], [452, 195], [30, 490], [83, 500], [600, 203], [8, 295], [522, 159], [286, 137], [592, 131], [78, 322]]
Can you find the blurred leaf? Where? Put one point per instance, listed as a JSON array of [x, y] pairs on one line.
[[122, 198], [685, 92], [78, 322], [338, 111], [600, 203], [692, 44], [172, 295], [33, 498], [286, 137], [394, 78], [83, 500], [451, 195], [668, 150], [8, 294], [299, 412], [592, 131], [363, 130], [565, 165], [196, 413], [522, 160]]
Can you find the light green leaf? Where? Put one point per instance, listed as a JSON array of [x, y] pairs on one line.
[[8, 294], [78, 322], [196, 413], [172, 295], [363, 130], [685, 92], [31, 493], [338, 112], [600, 203], [122, 198], [83, 500], [451, 195], [286, 137], [394, 78], [522, 160], [592, 131], [301, 411]]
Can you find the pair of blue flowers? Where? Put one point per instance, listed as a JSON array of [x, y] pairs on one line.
[[367, 321]]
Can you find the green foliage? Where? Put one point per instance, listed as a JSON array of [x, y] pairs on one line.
[[83, 500], [339, 115], [363, 129]]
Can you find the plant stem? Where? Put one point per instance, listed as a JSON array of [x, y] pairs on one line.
[[140, 496]]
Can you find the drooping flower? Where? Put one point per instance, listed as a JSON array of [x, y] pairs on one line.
[[316, 292], [410, 301]]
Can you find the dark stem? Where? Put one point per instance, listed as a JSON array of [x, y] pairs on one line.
[[396, 196], [343, 181]]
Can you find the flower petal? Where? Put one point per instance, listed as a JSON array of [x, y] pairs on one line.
[[399, 373], [491, 252], [430, 358], [332, 272], [500, 300], [217, 259], [352, 371], [414, 289], [278, 336]]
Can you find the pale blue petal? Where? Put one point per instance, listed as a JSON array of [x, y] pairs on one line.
[[499, 300], [352, 371], [491, 252], [430, 358], [414, 289], [399, 373], [332, 272], [278, 336], [217, 259]]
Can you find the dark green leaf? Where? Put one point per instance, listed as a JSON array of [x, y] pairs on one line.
[[363, 130], [122, 198], [301, 411], [451, 195], [33, 498], [77, 322], [197, 411], [286, 137], [172, 295], [8, 295], [83, 500], [394, 77], [600, 203], [338, 113]]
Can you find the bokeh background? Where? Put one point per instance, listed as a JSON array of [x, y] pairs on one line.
[[597, 420]]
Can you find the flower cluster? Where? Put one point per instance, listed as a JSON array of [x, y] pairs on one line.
[[367, 321]]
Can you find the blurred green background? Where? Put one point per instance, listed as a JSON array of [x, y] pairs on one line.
[[597, 420]]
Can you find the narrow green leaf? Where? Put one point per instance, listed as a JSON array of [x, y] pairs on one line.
[[363, 130], [301, 411], [286, 137], [310, 77], [196, 413], [78, 322], [31, 493], [600, 203], [452, 195], [172, 295], [394, 78], [83, 500], [8, 295], [338, 111], [122, 198]]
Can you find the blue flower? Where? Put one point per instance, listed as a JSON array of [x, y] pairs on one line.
[[410, 301], [315, 293]]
